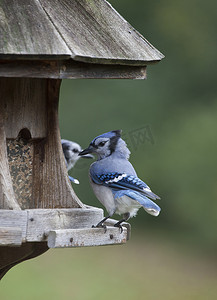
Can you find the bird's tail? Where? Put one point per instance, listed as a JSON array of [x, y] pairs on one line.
[[149, 206]]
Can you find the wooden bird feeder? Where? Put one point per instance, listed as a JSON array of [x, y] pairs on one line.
[[42, 42]]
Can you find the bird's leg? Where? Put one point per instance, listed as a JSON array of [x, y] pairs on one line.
[[100, 224], [125, 218]]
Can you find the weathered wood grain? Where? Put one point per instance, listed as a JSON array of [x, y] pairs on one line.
[[26, 31], [24, 105], [36, 224], [96, 33], [14, 218], [90, 31], [86, 237], [72, 70], [29, 68], [69, 69], [10, 236], [41, 221], [7, 196], [51, 185]]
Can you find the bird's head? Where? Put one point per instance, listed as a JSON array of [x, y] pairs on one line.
[[105, 144], [71, 152]]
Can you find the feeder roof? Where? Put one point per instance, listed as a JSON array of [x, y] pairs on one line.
[[84, 30]]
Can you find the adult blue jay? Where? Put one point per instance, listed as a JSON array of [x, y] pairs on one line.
[[114, 180], [71, 152]]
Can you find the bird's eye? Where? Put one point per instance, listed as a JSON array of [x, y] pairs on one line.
[[101, 144], [75, 150]]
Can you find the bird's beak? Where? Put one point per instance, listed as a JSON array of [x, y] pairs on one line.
[[86, 155], [86, 152]]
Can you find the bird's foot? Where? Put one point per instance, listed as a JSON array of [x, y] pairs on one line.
[[100, 225], [119, 226]]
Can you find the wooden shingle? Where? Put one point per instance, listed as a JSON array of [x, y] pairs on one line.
[[96, 33], [84, 30], [26, 32]]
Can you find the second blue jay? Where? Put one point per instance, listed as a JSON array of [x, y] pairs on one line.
[[114, 180], [71, 152]]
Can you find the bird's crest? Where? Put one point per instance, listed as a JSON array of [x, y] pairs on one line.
[[110, 134]]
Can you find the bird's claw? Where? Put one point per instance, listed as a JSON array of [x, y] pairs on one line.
[[119, 226], [100, 226]]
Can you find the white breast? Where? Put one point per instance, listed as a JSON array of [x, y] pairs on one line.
[[105, 196]]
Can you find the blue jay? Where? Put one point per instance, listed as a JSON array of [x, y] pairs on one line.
[[114, 180], [71, 152]]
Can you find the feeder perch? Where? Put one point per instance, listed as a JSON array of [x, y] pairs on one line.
[[42, 42]]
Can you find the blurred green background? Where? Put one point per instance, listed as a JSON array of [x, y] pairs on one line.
[[172, 256]]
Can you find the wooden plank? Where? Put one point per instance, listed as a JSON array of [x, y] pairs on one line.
[[10, 236], [42, 221], [86, 237], [35, 224], [29, 68], [26, 30], [69, 69], [72, 70], [96, 33], [14, 219]]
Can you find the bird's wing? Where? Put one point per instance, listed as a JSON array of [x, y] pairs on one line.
[[148, 205], [74, 180], [123, 181]]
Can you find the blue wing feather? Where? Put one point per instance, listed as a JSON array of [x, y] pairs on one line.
[[123, 181]]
